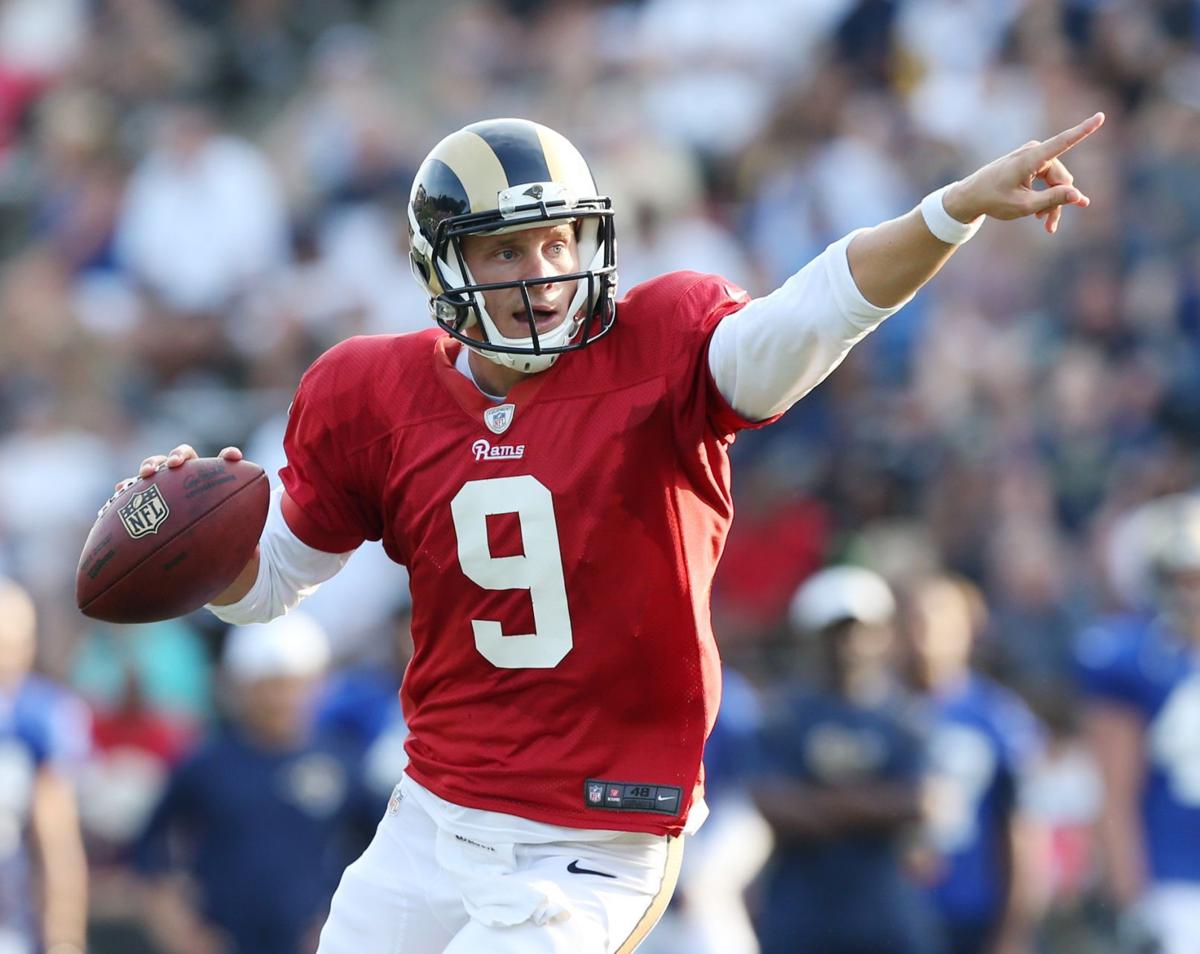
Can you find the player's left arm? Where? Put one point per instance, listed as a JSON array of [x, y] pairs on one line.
[[59, 845], [891, 261], [773, 351]]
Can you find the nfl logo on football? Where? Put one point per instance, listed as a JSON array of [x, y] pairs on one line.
[[144, 513]]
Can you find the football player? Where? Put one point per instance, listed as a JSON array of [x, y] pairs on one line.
[[982, 744], [551, 466], [1141, 672]]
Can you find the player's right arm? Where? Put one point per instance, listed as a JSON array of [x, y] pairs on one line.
[[167, 895], [170, 915], [283, 569], [801, 812]]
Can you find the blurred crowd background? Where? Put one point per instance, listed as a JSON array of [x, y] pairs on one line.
[[197, 198]]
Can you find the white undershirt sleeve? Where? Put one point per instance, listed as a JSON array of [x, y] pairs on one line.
[[288, 571], [770, 354]]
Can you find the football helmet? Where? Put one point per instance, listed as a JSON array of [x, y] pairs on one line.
[[1175, 565], [1173, 542], [504, 175], [1153, 553]]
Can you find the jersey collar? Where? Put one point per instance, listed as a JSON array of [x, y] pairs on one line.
[[465, 392]]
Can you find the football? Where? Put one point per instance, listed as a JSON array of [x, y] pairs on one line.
[[168, 543]]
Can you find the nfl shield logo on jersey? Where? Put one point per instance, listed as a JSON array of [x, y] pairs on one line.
[[144, 513], [595, 792], [498, 418]]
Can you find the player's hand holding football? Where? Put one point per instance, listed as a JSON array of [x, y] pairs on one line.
[[1004, 188], [182, 532], [175, 459]]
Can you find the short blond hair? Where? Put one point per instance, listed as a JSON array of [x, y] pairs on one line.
[[955, 594], [18, 622]]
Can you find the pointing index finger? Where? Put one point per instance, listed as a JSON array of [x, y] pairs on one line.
[[1057, 145]]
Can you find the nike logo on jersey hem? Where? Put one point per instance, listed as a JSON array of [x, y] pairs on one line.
[[574, 868]]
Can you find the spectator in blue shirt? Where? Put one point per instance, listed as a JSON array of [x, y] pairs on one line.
[[43, 871], [983, 856], [840, 785], [244, 849]]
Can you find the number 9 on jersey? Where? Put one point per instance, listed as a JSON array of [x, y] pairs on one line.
[[539, 569]]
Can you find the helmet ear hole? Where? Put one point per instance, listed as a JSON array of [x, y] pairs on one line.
[[420, 269], [588, 238]]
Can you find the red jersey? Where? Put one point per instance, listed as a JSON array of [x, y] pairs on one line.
[[561, 548]]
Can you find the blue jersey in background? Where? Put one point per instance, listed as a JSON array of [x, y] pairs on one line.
[[1141, 665], [982, 741], [24, 749], [729, 750], [41, 723]]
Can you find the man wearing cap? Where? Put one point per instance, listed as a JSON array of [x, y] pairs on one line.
[[840, 779], [263, 810]]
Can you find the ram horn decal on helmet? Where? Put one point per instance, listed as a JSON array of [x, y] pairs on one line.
[[503, 175]]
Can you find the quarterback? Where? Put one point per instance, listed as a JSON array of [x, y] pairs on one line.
[[551, 466]]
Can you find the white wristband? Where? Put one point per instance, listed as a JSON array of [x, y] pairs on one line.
[[942, 224]]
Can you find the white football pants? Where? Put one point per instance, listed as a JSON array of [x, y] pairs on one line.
[[418, 889]]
